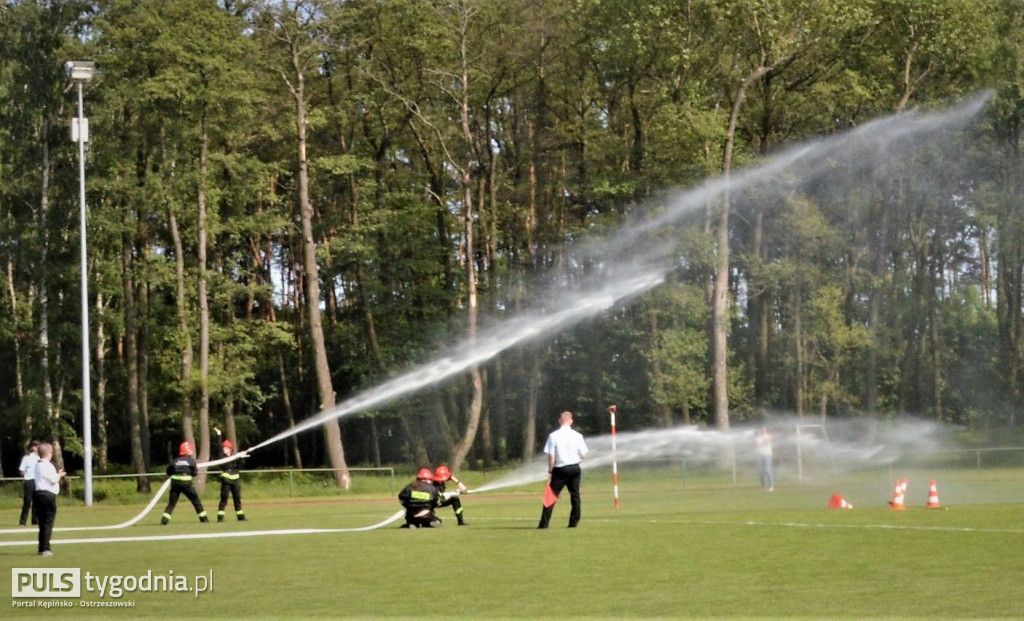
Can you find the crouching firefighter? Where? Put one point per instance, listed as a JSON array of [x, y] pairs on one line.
[[420, 498], [230, 480], [449, 499], [182, 470]]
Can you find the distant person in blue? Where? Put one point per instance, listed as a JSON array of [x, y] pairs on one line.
[[566, 449], [764, 459]]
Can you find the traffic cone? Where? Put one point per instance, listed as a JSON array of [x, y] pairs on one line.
[[897, 498], [836, 501], [933, 496]]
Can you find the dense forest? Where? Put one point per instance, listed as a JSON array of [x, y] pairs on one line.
[[291, 202]]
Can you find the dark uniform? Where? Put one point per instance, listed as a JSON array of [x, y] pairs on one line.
[[441, 476], [230, 482], [420, 498], [182, 470]]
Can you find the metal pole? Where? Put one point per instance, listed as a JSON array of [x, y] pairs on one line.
[[86, 390], [615, 459]]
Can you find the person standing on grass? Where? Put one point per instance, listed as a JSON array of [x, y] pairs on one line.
[[764, 459], [182, 471], [566, 449], [27, 468], [230, 480], [44, 499]]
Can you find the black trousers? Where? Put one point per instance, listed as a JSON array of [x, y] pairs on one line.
[[227, 486], [177, 489], [44, 508], [564, 477], [421, 517], [26, 502], [455, 504]]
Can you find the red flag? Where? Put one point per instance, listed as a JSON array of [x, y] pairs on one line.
[[549, 497]]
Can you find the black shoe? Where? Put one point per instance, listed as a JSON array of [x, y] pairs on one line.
[[164, 521], [220, 518], [204, 520], [406, 525], [241, 518], [463, 523]]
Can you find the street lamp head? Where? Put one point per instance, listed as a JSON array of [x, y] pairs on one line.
[[80, 71]]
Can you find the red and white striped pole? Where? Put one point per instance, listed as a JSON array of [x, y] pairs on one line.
[[615, 459]]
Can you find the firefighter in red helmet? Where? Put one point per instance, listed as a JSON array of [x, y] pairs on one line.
[[230, 479], [420, 498], [182, 470], [449, 499]]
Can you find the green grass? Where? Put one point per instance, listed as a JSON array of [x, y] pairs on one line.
[[693, 548]]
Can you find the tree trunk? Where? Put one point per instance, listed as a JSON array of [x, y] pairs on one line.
[[533, 393], [103, 448], [465, 179], [311, 271], [184, 329], [287, 400], [143, 347], [720, 301], [44, 305], [204, 311], [131, 359]]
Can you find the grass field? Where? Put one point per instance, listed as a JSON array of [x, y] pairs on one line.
[[676, 548]]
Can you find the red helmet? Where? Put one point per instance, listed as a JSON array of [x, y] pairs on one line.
[[185, 448], [442, 474], [227, 444], [425, 473]]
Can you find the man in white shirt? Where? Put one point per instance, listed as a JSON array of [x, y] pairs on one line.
[[45, 498], [28, 474], [566, 449]]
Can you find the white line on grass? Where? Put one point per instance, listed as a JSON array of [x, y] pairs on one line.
[[642, 520], [245, 533]]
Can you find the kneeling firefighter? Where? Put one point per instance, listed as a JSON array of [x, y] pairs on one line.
[[420, 498]]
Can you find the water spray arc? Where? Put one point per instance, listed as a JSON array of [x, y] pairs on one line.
[[626, 274]]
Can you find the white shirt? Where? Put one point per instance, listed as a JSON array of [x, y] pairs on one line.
[[47, 479], [28, 466], [764, 445], [567, 445]]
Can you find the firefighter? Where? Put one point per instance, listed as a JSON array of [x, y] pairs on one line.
[[182, 470], [441, 476], [230, 480], [420, 498]]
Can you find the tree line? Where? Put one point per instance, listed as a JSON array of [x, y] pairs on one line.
[[290, 202]]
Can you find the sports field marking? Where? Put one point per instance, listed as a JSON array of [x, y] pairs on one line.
[[641, 520], [243, 533]]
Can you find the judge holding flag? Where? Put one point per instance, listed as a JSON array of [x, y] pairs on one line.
[[565, 449]]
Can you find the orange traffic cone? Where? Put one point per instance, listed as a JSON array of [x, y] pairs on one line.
[[836, 501], [933, 496], [897, 498]]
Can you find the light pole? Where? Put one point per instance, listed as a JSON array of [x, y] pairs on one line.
[[80, 73]]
